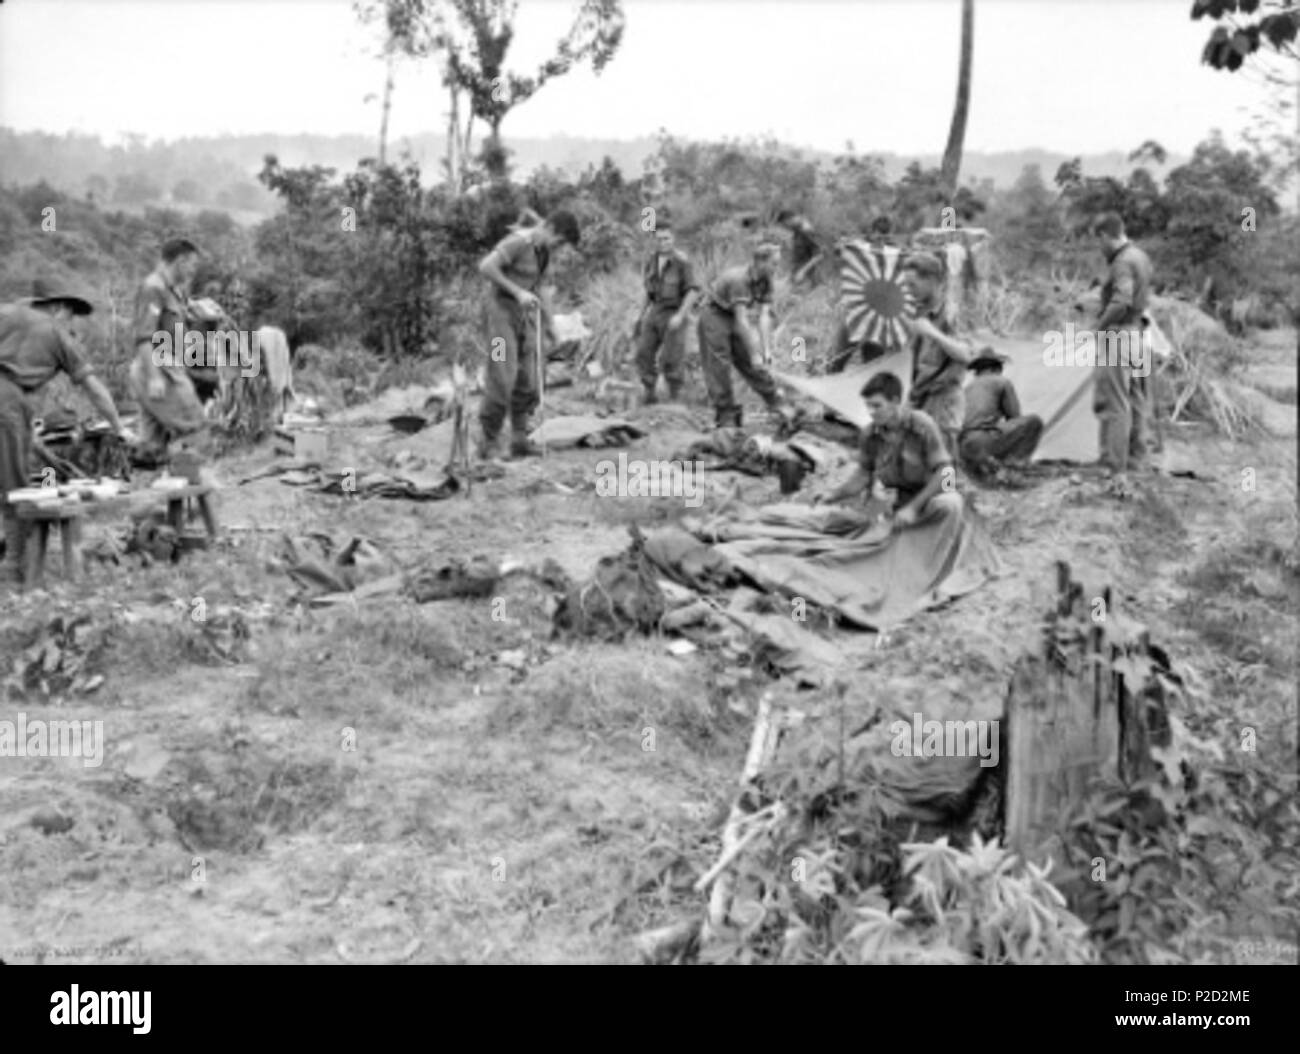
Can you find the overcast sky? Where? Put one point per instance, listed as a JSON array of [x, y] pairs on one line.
[[1073, 77]]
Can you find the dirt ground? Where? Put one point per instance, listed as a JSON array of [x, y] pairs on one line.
[[499, 805]]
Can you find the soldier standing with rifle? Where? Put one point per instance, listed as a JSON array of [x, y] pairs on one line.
[[671, 291]]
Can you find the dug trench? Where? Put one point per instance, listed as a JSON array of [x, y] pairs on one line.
[[398, 782]]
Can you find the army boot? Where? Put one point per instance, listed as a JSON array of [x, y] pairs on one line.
[[489, 447], [520, 445]]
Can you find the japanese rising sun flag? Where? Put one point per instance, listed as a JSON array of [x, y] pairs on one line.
[[873, 295]]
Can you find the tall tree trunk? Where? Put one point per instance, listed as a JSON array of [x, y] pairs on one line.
[[493, 152], [388, 100], [957, 132], [454, 142]]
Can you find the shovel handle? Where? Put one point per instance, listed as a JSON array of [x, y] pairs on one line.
[[541, 375]]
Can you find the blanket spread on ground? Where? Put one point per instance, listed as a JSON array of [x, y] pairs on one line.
[[585, 430], [873, 578]]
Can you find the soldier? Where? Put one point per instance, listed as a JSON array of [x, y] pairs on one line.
[[805, 253], [1119, 387], [515, 269], [882, 231], [939, 356], [728, 339], [671, 292], [994, 429], [35, 344], [902, 450], [169, 406]]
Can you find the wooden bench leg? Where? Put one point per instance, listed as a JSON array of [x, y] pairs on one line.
[[176, 514], [209, 517], [37, 538], [71, 532]]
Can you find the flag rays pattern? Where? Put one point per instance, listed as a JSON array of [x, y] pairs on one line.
[[873, 295]]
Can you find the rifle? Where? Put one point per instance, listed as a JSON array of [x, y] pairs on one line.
[[460, 445]]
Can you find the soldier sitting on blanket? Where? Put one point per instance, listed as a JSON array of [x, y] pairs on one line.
[[902, 449]]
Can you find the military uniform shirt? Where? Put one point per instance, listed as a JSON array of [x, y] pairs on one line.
[[905, 455], [34, 347], [736, 287], [934, 370], [158, 307], [990, 398], [1128, 283], [668, 280], [521, 260]]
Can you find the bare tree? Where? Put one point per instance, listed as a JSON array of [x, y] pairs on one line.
[[390, 60], [957, 130], [473, 37], [395, 41]]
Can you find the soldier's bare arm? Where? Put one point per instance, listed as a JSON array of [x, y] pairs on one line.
[[860, 480], [98, 394], [765, 330], [490, 268]]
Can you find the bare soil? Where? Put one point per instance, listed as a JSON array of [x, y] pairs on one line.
[[506, 810]]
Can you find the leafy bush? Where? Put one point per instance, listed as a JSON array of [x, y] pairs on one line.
[[1206, 852], [843, 878], [1179, 890]]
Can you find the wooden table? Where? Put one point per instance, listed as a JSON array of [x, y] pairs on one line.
[[66, 513]]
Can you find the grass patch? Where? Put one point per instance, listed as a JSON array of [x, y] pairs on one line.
[[354, 662], [1243, 600], [622, 690]]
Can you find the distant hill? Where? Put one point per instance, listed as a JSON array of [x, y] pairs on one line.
[[221, 171]]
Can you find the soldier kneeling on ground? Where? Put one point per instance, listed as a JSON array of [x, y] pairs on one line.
[[902, 450]]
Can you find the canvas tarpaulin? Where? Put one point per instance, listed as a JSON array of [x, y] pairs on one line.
[[1060, 394], [839, 391], [873, 578]]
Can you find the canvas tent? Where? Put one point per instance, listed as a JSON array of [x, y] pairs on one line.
[[1060, 394]]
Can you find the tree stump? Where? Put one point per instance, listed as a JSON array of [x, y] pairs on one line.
[[1092, 703]]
